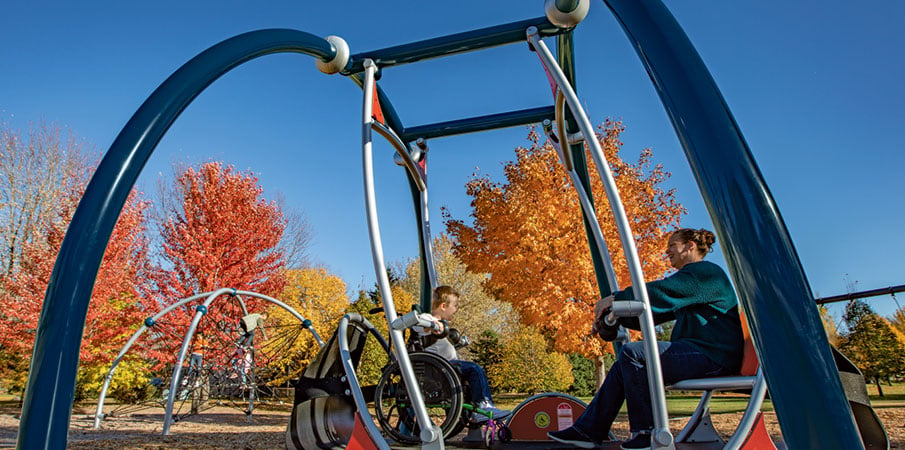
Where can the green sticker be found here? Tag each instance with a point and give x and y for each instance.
(542, 420)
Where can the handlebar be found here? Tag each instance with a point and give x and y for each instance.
(412, 319)
(623, 308)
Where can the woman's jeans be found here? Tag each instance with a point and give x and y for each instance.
(627, 381)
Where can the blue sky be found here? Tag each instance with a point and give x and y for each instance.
(815, 86)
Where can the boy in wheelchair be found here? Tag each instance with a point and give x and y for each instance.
(444, 305)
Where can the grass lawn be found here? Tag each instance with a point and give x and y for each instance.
(683, 404)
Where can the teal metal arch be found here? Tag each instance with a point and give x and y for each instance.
(761, 258)
(49, 394)
(762, 261)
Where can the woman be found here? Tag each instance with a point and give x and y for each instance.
(706, 342)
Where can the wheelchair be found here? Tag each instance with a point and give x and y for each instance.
(444, 395)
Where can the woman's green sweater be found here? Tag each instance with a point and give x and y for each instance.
(701, 300)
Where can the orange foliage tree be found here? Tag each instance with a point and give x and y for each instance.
(219, 231)
(528, 235)
(118, 301)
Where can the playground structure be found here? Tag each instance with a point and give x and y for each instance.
(225, 363)
(762, 262)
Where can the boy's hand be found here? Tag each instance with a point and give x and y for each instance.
(437, 327)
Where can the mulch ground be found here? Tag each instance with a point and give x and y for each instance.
(229, 428)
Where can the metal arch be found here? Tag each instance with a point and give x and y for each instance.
(401, 149)
(98, 416)
(430, 435)
(356, 392)
(291, 310)
(50, 391)
(587, 205)
(661, 435)
(762, 261)
(189, 334)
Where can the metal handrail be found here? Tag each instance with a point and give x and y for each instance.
(430, 435)
(661, 436)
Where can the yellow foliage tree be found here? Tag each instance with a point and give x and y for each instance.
(528, 367)
(374, 357)
(319, 297)
(528, 235)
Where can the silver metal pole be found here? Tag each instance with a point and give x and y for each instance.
(430, 433)
(98, 415)
(661, 436)
(360, 403)
(174, 383)
(758, 392)
(428, 245)
(591, 214)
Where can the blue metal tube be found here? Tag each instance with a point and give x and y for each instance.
(785, 325)
(475, 124)
(452, 44)
(48, 397)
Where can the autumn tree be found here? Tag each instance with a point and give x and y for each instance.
(319, 297)
(38, 170)
(478, 311)
(219, 231)
(527, 234)
(118, 302)
(829, 324)
(527, 365)
(872, 344)
(898, 320)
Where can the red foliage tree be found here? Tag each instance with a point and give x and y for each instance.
(220, 232)
(117, 305)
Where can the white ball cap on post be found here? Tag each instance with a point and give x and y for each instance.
(339, 61)
(566, 19)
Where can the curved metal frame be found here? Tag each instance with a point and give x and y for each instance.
(430, 436)
(212, 295)
(361, 404)
(661, 436)
(762, 261)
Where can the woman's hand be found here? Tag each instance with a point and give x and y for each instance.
(602, 306)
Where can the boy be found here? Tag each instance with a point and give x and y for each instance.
(444, 304)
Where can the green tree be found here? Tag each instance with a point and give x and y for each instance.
(872, 344)
(486, 350)
(584, 373)
(374, 357)
(528, 366)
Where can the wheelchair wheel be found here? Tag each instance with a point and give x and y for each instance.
(440, 388)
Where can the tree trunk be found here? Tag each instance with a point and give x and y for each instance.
(879, 388)
(601, 371)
